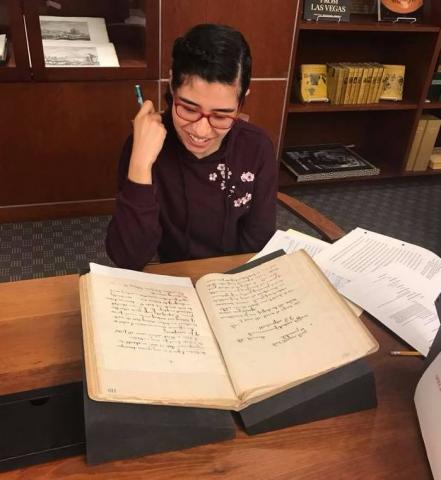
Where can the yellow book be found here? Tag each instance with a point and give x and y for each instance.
(230, 341)
(379, 89)
(427, 142)
(339, 83)
(373, 86)
(363, 82)
(370, 72)
(344, 84)
(313, 86)
(331, 72)
(393, 82)
(410, 163)
(357, 84)
(350, 83)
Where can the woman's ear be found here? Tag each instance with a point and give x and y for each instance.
(247, 92)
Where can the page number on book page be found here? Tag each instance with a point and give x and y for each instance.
(111, 390)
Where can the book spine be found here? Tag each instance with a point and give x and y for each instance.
(427, 143)
(415, 145)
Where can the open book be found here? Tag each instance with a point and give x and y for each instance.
(232, 341)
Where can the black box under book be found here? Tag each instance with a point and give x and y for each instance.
(116, 431)
(347, 389)
(41, 425)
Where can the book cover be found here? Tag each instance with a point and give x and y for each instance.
(327, 10)
(393, 83)
(313, 83)
(363, 7)
(427, 142)
(400, 10)
(320, 162)
(415, 145)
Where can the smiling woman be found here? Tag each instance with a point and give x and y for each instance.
(196, 181)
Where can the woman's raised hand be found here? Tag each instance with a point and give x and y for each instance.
(148, 138)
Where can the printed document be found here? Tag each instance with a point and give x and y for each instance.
(400, 300)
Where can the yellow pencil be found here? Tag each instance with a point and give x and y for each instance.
(405, 353)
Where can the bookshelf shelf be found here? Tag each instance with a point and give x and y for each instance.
(432, 106)
(326, 107)
(368, 25)
(383, 132)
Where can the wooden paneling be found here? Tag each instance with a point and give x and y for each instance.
(267, 26)
(61, 141)
(264, 105)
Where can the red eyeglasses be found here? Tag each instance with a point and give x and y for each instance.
(193, 114)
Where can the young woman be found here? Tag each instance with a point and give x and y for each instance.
(197, 181)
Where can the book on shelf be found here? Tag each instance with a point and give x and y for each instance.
(321, 162)
(428, 142)
(313, 83)
(363, 7)
(320, 10)
(435, 159)
(400, 10)
(434, 93)
(76, 42)
(231, 341)
(3, 47)
(393, 82)
(410, 163)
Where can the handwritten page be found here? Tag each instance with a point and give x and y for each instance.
(280, 323)
(153, 340)
(361, 251)
(428, 406)
(399, 299)
(291, 241)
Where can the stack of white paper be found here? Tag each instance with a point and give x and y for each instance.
(395, 281)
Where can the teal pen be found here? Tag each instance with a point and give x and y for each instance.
(138, 95)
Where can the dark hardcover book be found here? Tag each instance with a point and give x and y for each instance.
(400, 10)
(321, 162)
(322, 10)
(434, 93)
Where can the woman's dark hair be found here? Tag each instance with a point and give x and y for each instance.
(215, 53)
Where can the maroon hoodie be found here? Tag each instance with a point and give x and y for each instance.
(221, 204)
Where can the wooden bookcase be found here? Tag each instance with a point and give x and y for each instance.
(382, 133)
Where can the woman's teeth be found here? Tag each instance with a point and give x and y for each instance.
(197, 139)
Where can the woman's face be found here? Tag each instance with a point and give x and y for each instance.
(200, 138)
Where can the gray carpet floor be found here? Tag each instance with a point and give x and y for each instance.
(408, 209)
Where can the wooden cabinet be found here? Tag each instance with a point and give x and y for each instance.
(382, 132)
(136, 44)
(16, 67)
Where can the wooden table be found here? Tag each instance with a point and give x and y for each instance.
(41, 346)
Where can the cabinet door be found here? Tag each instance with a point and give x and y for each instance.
(15, 67)
(93, 40)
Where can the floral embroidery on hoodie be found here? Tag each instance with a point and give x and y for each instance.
(223, 174)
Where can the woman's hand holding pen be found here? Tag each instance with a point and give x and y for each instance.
(148, 138)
